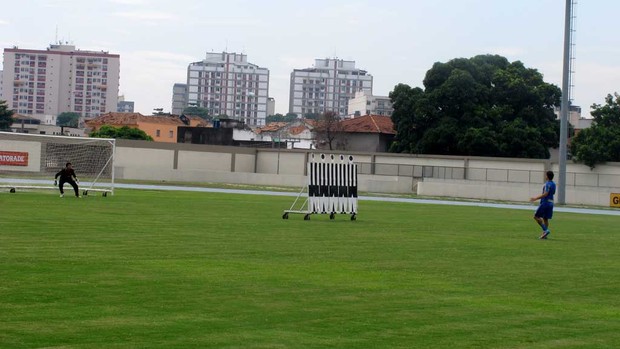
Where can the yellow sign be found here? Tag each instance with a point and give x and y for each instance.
(614, 200)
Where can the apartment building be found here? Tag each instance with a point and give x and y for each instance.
(124, 106)
(227, 84)
(327, 86)
(179, 98)
(271, 106)
(60, 79)
(364, 103)
(574, 118)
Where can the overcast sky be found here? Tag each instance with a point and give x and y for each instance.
(396, 41)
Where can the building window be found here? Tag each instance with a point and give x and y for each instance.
(157, 133)
(170, 134)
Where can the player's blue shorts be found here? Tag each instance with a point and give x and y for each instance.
(545, 210)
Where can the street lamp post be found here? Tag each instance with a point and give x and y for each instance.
(565, 102)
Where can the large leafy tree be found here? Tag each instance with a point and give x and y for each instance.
(601, 142)
(6, 116)
(281, 118)
(125, 132)
(68, 119)
(484, 106)
(197, 111)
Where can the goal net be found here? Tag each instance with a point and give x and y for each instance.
(33, 160)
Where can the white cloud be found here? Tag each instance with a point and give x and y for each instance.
(509, 52)
(146, 16)
(129, 2)
(594, 81)
(56, 3)
(3, 22)
(163, 56)
(229, 22)
(296, 62)
(147, 77)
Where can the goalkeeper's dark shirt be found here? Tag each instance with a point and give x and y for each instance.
(66, 174)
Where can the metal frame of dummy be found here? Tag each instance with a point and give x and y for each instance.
(331, 189)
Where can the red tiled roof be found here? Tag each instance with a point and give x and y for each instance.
(369, 124)
(310, 122)
(295, 130)
(271, 127)
(16, 116)
(132, 119)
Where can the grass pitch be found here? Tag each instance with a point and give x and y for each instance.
(147, 269)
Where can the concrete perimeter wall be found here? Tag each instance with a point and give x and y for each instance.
(451, 176)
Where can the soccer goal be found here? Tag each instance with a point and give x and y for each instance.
(30, 161)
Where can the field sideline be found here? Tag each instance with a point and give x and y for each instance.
(153, 269)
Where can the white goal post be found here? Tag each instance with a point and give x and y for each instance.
(30, 161)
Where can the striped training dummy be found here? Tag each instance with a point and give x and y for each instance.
(332, 184)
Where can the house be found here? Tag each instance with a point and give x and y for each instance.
(29, 124)
(370, 133)
(161, 128)
(297, 134)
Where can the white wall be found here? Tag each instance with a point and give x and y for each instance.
(449, 176)
(582, 195)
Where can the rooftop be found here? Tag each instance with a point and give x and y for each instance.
(133, 119)
(369, 124)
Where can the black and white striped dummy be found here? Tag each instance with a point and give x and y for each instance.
(332, 184)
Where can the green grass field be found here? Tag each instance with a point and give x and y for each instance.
(147, 269)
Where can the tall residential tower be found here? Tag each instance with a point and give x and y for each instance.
(179, 98)
(327, 86)
(227, 84)
(60, 79)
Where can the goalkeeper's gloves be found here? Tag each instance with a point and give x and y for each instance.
(55, 182)
(77, 180)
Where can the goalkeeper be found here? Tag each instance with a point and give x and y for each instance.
(67, 175)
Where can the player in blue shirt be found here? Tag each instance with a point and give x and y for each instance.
(545, 210)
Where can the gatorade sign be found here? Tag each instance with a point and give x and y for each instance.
(13, 158)
(614, 200)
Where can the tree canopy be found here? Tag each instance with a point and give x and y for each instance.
(601, 142)
(68, 119)
(197, 111)
(6, 116)
(481, 106)
(281, 118)
(125, 132)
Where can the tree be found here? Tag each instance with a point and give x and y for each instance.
(197, 111)
(281, 118)
(6, 116)
(601, 142)
(482, 106)
(125, 132)
(68, 119)
(313, 116)
(328, 131)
